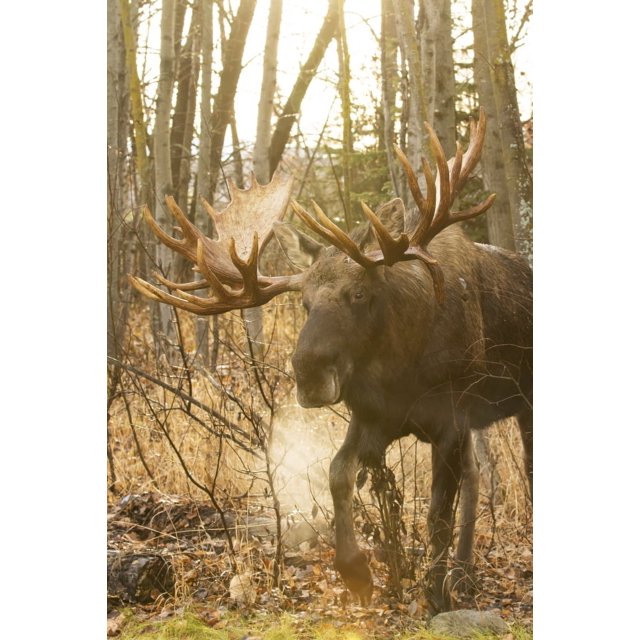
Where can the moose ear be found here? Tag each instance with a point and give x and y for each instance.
(301, 250)
(392, 215)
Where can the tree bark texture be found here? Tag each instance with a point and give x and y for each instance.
(137, 109)
(499, 216)
(492, 28)
(204, 188)
(344, 67)
(390, 85)
(416, 104)
(436, 53)
(267, 91)
(183, 123)
(162, 153)
(117, 126)
(182, 127)
(224, 98)
(253, 317)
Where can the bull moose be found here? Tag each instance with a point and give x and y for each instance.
(417, 329)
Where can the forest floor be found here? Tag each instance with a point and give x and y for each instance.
(217, 596)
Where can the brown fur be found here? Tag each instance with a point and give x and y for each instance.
(404, 364)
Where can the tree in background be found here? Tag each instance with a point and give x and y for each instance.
(291, 110)
(505, 164)
(253, 318)
(184, 113)
(118, 114)
(422, 33)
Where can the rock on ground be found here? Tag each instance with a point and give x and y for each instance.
(467, 623)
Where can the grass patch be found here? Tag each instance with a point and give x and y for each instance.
(193, 626)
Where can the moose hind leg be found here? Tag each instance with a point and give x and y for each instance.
(462, 576)
(525, 422)
(447, 471)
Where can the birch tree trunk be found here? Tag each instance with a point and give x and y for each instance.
(492, 28)
(204, 189)
(390, 85)
(291, 109)
(253, 318)
(415, 140)
(499, 216)
(231, 68)
(117, 125)
(436, 53)
(118, 253)
(182, 127)
(267, 91)
(345, 99)
(142, 164)
(162, 156)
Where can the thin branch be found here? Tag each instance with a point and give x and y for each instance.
(196, 403)
(528, 10)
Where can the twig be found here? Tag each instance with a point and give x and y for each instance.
(184, 396)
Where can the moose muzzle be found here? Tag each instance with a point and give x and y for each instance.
(319, 363)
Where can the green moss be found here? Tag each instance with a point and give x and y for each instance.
(185, 627)
(189, 626)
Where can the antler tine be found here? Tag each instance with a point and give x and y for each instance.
(177, 244)
(451, 176)
(455, 171)
(229, 264)
(435, 214)
(183, 286)
(412, 180)
(392, 249)
(443, 179)
(212, 278)
(190, 232)
(332, 233)
(248, 268)
(476, 140)
(184, 302)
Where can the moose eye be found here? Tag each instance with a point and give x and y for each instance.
(358, 296)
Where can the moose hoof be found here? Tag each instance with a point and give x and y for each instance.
(439, 600)
(355, 572)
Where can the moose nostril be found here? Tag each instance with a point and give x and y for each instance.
(309, 360)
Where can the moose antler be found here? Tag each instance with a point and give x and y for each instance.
(434, 209)
(230, 263)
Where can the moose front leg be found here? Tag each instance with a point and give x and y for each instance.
(350, 562)
(447, 471)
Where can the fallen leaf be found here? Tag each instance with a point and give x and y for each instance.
(114, 626)
(242, 590)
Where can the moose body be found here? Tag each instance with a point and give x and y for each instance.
(416, 328)
(405, 364)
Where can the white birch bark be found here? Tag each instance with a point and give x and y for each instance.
(204, 189)
(253, 317)
(162, 150)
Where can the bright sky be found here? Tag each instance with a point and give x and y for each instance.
(301, 22)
